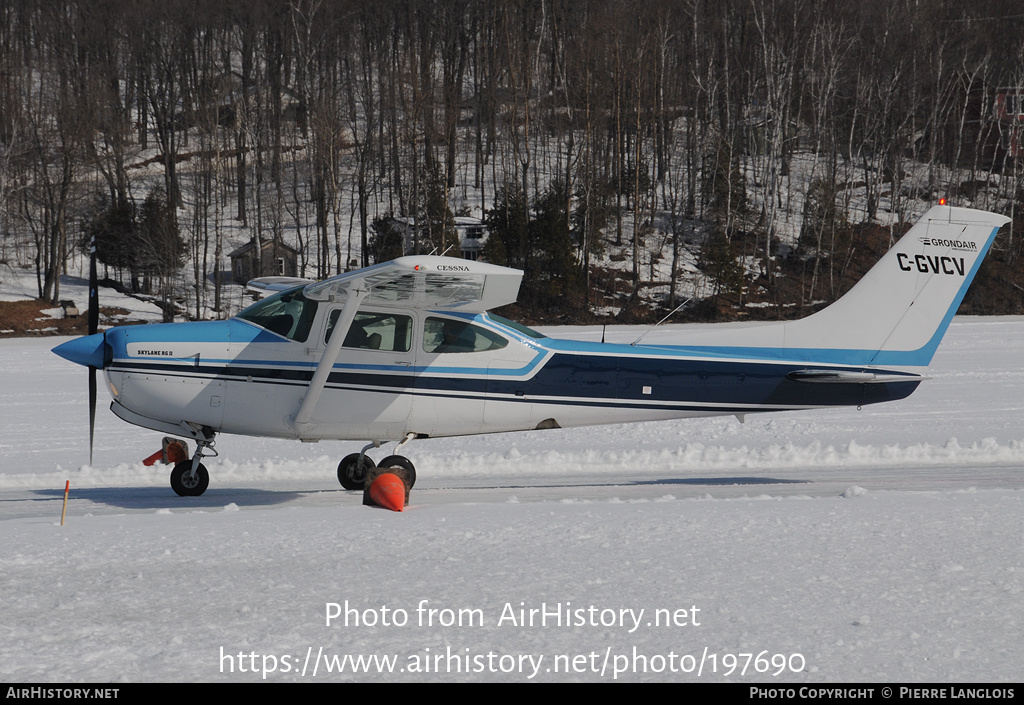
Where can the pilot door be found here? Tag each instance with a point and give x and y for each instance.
(368, 393)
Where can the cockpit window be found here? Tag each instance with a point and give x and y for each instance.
(289, 314)
(447, 335)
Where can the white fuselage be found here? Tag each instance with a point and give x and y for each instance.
(398, 376)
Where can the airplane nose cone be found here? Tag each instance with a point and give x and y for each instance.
(87, 350)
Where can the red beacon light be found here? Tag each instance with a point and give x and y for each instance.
(942, 201)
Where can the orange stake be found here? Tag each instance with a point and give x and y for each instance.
(67, 486)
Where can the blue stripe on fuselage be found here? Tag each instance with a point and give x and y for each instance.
(568, 370)
(582, 378)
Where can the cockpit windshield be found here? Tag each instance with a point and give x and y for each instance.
(289, 314)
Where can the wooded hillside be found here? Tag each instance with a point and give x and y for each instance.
(756, 140)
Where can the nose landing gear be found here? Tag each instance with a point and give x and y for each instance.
(190, 478)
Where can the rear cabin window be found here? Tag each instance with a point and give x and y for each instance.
(447, 335)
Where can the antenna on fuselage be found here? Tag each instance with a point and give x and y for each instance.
(443, 253)
(671, 313)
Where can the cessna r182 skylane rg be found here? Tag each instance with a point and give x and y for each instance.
(406, 349)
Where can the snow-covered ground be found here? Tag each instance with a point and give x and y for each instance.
(880, 545)
(19, 284)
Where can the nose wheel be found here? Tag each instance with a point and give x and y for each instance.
(186, 483)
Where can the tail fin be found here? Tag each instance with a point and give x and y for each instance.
(899, 311)
(896, 315)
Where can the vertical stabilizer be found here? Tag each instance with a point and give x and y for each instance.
(895, 315)
(899, 311)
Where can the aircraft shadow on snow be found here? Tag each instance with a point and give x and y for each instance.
(156, 497)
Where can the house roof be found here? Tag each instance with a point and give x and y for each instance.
(461, 221)
(247, 247)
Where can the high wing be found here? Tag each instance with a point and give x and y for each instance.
(425, 282)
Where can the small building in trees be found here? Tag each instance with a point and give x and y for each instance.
(472, 234)
(984, 127)
(1009, 111)
(278, 259)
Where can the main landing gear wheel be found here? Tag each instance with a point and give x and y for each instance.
(352, 474)
(397, 461)
(185, 484)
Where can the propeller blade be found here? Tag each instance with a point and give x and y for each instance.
(94, 324)
(92, 409)
(94, 300)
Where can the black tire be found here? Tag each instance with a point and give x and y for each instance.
(350, 474)
(184, 484)
(398, 461)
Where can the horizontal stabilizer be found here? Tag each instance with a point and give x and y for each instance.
(850, 377)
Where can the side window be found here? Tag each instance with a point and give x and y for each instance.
(446, 335)
(375, 331)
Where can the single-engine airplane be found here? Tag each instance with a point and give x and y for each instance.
(406, 349)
